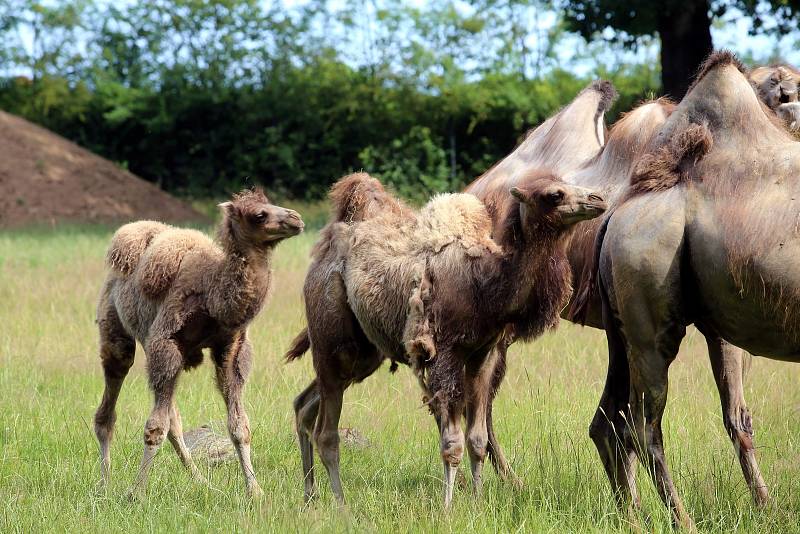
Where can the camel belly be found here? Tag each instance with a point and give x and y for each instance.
(748, 291)
(378, 293)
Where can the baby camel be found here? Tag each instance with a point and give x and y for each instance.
(177, 292)
(433, 290)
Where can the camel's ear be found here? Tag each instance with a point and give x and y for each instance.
(518, 194)
(227, 208)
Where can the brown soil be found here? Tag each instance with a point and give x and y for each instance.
(45, 179)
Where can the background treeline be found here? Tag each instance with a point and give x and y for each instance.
(203, 96)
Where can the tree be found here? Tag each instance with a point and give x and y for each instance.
(684, 27)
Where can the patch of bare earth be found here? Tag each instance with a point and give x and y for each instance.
(45, 179)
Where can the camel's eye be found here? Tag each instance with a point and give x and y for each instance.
(555, 197)
(260, 217)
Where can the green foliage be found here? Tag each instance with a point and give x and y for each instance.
(414, 165)
(205, 96)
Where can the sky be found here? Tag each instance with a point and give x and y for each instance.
(732, 33)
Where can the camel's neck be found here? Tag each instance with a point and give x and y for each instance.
(241, 283)
(531, 284)
(541, 285)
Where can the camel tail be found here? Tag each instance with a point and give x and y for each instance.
(587, 286)
(359, 196)
(300, 345)
(129, 243)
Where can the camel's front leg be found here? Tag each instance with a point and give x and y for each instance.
(726, 361)
(477, 391)
(446, 384)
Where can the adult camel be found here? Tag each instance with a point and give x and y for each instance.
(609, 172)
(707, 235)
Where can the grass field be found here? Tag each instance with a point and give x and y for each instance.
(50, 384)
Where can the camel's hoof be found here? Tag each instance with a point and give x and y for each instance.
(200, 479)
(308, 498)
(255, 491)
(134, 495)
(516, 483)
(101, 488)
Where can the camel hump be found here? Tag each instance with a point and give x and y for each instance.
(671, 163)
(359, 196)
(162, 260)
(129, 243)
(608, 94)
(456, 217)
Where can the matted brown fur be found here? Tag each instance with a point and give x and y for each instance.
(359, 196)
(434, 290)
(672, 162)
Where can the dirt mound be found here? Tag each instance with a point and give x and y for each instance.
(46, 179)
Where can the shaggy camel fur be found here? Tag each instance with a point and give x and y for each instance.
(565, 143)
(719, 249)
(433, 290)
(177, 292)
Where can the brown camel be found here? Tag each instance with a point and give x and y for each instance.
(706, 237)
(776, 86)
(433, 290)
(564, 143)
(177, 292)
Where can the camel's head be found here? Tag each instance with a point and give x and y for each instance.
(251, 218)
(543, 197)
(777, 87)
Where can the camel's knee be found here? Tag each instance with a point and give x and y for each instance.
(155, 430)
(104, 420)
(116, 363)
(477, 444)
(327, 443)
(239, 430)
(452, 447)
(739, 425)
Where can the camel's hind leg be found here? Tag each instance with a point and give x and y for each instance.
(326, 433)
(306, 408)
(233, 366)
(117, 350)
(607, 428)
(164, 365)
(649, 367)
(497, 359)
(726, 361)
(175, 435)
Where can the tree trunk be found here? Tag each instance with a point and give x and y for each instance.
(685, 43)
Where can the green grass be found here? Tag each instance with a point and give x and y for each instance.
(50, 384)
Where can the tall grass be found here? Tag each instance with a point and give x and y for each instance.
(50, 384)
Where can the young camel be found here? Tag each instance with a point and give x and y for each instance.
(433, 290)
(177, 292)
